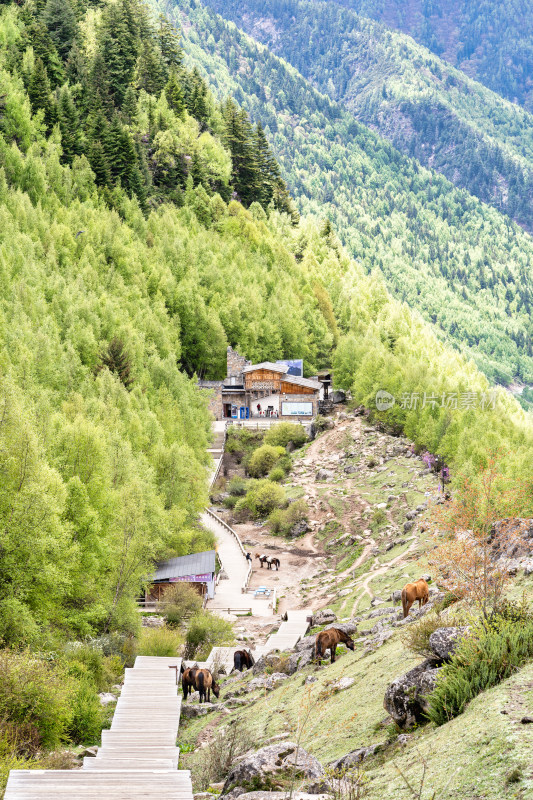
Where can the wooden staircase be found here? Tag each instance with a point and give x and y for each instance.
(138, 757)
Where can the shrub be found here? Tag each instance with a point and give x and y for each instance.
(237, 487)
(276, 475)
(205, 632)
(416, 636)
(17, 625)
(159, 642)
(230, 501)
(221, 754)
(87, 715)
(283, 433)
(263, 459)
(283, 520)
(37, 694)
(179, 603)
(482, 660)
(262, 498)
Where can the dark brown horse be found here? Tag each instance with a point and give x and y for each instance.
(204, 682)
(411, 592)
(188, 681)
(329, 639)
(275, 562)
(242, 659)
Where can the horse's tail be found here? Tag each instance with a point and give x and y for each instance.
(200, 682)
(237, 661)
(404, 603)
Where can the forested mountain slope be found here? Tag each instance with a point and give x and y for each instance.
(123, 273)
(426, 108)
(462, 264)
(491, 40)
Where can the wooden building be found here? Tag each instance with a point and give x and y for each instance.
(263, 390)
(197, 569)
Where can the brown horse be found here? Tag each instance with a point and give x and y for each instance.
(275, 562)
(242, 659)
(329, 639)
(204, 682)
(188, 681)
(262, 559)
(411, 592)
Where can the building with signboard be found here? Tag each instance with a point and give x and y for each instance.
(197, 569)
(268, 389)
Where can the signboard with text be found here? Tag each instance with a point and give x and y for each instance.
(297, 409)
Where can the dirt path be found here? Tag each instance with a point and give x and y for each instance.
(364, 467)
(380, 571)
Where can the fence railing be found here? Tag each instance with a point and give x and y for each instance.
(230, 530)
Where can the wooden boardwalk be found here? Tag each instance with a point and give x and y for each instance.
(138, 757)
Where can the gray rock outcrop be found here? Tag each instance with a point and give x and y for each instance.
(444, 641)
(354, 757)
(324, 617)
(406, 697)
(268, 762)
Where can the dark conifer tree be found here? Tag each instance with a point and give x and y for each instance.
(40, 94)
(117, 360)
(169, 43)
(69, 125)
(59, 19)
(174, 93)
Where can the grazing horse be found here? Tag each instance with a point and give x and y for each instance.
(188, 681)
(204, 682)
(330, 638)
(411, 592)
(242, 659)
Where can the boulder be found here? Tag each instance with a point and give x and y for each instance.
(444, 641)
(342, 684)
(152, 622)
(346, 627)
(528, 566)
(338, 396)
(354, 757)
(323, 475)
(396, 596)
(266, 795)
(307, 643)
(267, 682)
(299, 528)
(268, 762)
(406, 697)
(323, 617)
(349, 469)
(106, 698)
(270, 660)
(191, 710)
(300, 660)
(408, 525)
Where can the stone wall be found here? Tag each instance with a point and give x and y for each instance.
(236, 363)
(214, 390)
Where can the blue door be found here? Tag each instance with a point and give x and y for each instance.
(241, 412)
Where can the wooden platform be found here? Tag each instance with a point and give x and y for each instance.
(138, 758)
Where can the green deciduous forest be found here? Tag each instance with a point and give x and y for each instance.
(422, 105)
(145, 226)
(489, 41)
(463, 265)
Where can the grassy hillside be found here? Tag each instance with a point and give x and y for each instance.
(463, 265)
(424, 107)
